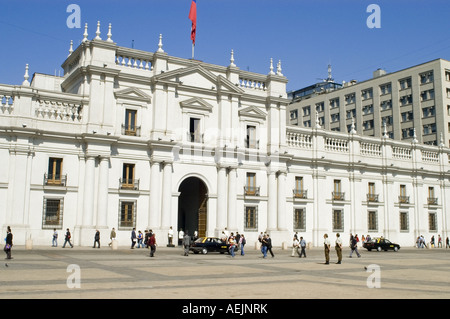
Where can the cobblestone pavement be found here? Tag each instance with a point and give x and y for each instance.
(52, 273)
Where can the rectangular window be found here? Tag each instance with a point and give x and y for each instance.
(127, 214)
(250, 188)
(194, 130)
(299, 219)
(293, 114)
(404, 223)
(130, 122)
(403, 198)
(306, 110)
(128, 180)
(334, 103)
(251, 218)
(338, 220)
(432, 199)
(432, 222)
(372, 222)
(52, 216)
(385, 89)
(299, 192)
(337, 193)
(251, 137)
(54, 173)
(405, 83)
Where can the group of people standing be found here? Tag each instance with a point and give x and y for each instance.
(236, 242)
(420, 242)
(338, 247)
(266, 244)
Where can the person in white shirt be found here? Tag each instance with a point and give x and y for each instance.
(170, 236)
(295, 245)
(338, 248)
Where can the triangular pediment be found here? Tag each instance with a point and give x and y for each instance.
(133, 94)
(253, 112)
(199, 77)
(196, 103)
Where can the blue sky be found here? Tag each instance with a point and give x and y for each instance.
(305, 35)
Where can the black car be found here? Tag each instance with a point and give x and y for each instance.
(209, 244)
(381, 244)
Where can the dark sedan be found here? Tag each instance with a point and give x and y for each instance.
(381, 244)
(205, 245)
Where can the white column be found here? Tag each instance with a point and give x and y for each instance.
(272, 202)
(232, 214)
(153, 215)
(89, 182)
(102, 206)
(281, 216)
(221, 200)
(166, 196)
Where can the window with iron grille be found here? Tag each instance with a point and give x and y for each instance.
(127, 214)
(338, 220)
(299, 219)
(432, 222)
(372, 221)
(52, 216)
(404, 222)
(251, 218)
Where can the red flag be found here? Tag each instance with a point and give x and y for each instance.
(193, 18)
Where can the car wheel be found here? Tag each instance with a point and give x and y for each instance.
(369, 249)
(379, 248)
(395, 248)
(204, 251)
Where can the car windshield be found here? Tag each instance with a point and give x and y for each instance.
(199, 240)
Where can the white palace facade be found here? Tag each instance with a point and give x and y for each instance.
(131, 139)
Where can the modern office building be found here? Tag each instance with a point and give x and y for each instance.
(134, 139)
(412, 101)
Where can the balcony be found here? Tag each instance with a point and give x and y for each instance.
(372, 198)
(55, 180)
(338, 196)
(403, 199)
(251, 191)
(131, 131)
(432, 201)
(129, 184)
(300, 193)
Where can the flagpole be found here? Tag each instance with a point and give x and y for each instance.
(193, 45)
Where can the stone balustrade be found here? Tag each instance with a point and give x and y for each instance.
(134, 59)
(363, 148)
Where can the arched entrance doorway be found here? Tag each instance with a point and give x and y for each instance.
(192, 206)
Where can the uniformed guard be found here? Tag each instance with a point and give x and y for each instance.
(338, 248)
(326, 243)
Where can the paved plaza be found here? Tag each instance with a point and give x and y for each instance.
(87, 273)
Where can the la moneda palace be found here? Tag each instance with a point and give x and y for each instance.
(132, 139)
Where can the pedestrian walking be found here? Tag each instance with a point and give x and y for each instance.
(338, 247)
(152, 244)
(55, 238)
(302, 247)
(97, 239)
(264, 246)
(186, 243)
(112, 236)
(439, 241)
(133, 238)
(447, 243)
(432, 242)
(67, 238)
(242, 242)
(295, 246)
(269, 245)
(354, 247)
(9, 243)
(326, 244)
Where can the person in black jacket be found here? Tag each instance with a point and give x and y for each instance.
(9, 243)
(97, 239)
(269, 245)
(67, 239)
